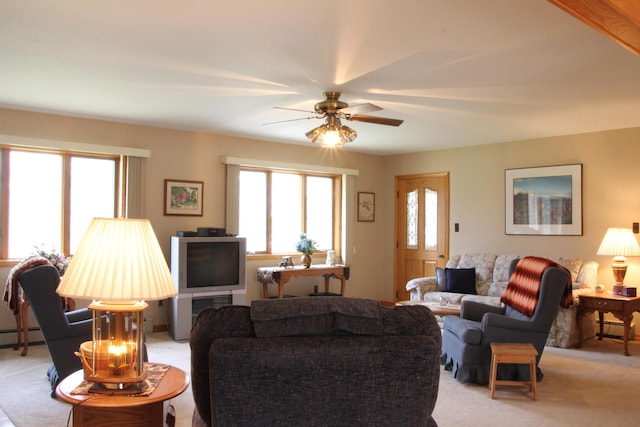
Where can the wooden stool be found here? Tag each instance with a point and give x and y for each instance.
(513, 353)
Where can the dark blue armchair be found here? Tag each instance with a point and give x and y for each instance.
(466, 339)
(63, 332)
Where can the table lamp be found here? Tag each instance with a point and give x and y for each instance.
(118, 265)
(619, 243)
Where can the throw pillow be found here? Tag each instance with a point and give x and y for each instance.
(441, 280)
(461, 280)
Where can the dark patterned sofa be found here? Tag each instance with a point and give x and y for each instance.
(324, 361)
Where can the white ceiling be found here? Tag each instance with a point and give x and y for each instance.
(458, 72)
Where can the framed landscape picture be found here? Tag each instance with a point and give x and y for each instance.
(544, 200)
(183, 197)
(366, 207)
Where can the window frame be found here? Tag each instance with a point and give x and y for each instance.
(5, 173)
(337, 223)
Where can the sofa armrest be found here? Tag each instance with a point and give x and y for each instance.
(474, 310)
(577, 292)
(79, 315)
(420, 286)
(497, 321)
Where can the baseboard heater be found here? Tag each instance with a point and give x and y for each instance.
(613, 329)
(8, 337)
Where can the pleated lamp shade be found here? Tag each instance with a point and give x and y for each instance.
(118, 260)
(619, 242)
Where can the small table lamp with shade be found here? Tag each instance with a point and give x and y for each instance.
(619, 243)
(118, 265)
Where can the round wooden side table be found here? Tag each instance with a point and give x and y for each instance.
(102, 410)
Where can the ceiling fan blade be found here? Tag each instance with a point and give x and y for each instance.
(294, 109)
(292, 120)
(360, 108)
(374, 119)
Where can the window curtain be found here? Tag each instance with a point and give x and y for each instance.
(233, 199)
(134, 201)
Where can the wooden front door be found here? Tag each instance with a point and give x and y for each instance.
(422, 232)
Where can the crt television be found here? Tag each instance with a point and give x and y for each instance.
(208, 264)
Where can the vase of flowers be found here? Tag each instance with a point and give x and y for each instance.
(57, 259)
(307, 247)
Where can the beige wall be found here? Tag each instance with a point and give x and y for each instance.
(610, 193)
(610, 190)
(610, 196)
(196, 156)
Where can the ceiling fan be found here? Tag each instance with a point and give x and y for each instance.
(333, 133)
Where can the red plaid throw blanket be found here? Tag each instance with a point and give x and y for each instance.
(523, 289)
(12, 294)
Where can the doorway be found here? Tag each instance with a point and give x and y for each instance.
(421, 228)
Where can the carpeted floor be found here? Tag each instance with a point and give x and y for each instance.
(592, 386)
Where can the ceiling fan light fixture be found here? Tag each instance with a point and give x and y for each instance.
(332, 133)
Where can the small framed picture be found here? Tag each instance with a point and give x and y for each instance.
(366, 207)
(183, 197)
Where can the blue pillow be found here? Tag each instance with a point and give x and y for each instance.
(461, 280)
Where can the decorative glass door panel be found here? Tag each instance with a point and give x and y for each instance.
(430, 219)
(412, 219)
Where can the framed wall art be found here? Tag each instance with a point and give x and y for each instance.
(366, 207)
(544, 200)
(183, 197)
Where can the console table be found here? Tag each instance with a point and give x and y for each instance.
(620, 306)
(281, 275)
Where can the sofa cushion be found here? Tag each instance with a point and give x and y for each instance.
(571, 264)
(441, 280)
(502, 272)
(316, 316)
(461, 280)
(483, 263)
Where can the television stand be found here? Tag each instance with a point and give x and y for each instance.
(185, 307)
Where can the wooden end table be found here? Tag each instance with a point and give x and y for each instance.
(102, 410)
(620, 306)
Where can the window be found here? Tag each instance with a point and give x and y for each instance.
(276, 206)
(50, 198)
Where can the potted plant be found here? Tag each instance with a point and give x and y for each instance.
(307, 247)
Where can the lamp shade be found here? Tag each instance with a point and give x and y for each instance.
(332, 133)
(118, 260)
(619, 242)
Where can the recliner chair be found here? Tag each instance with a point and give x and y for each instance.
(63, 332)
(466, 339)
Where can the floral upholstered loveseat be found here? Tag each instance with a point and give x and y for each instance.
(491, 278)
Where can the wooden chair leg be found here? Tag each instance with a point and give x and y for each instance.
(18, 332)
(24, 312)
